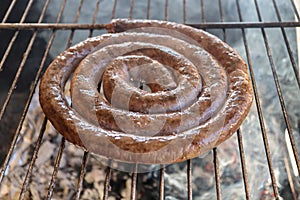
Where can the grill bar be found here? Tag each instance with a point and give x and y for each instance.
(16, 78)
(243, 164)
(281, 98)
(148, 8)
(17, 133)
(279, 91)
(22, 64)
(162, 183)
(133, 194)
(11, 6)
(287, 45)
(239, 135)
(86, 154)
(32, 161)
(131, 9)
(202, 11)
(263, 128)
(188, 162)
(55, 170)
(51, 184)
(12, 41)
(106, 183)
(222, 18)
(294, 65)
(214, 151)
(207, 25)
(81, 175)
(134, 176)
(107, 186)
(189, 179)
(184, 11)
(95, 17)
(62, 144)
(166, 10)
(295, 10)
(69, 43)
(258, 106)
(113, 12)
(277, 11)
(289, 175)
(217, 173)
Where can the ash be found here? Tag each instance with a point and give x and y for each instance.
(203, 181)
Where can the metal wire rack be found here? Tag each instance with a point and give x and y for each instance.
(40, 25)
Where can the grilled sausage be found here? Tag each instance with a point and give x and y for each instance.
(199, 92)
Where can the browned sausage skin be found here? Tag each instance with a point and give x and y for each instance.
(203, 100)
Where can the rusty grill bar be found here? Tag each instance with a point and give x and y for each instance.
(208, 25)
(224, 26)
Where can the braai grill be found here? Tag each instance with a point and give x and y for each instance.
(23, 83)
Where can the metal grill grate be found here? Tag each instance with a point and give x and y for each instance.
(222, 25)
